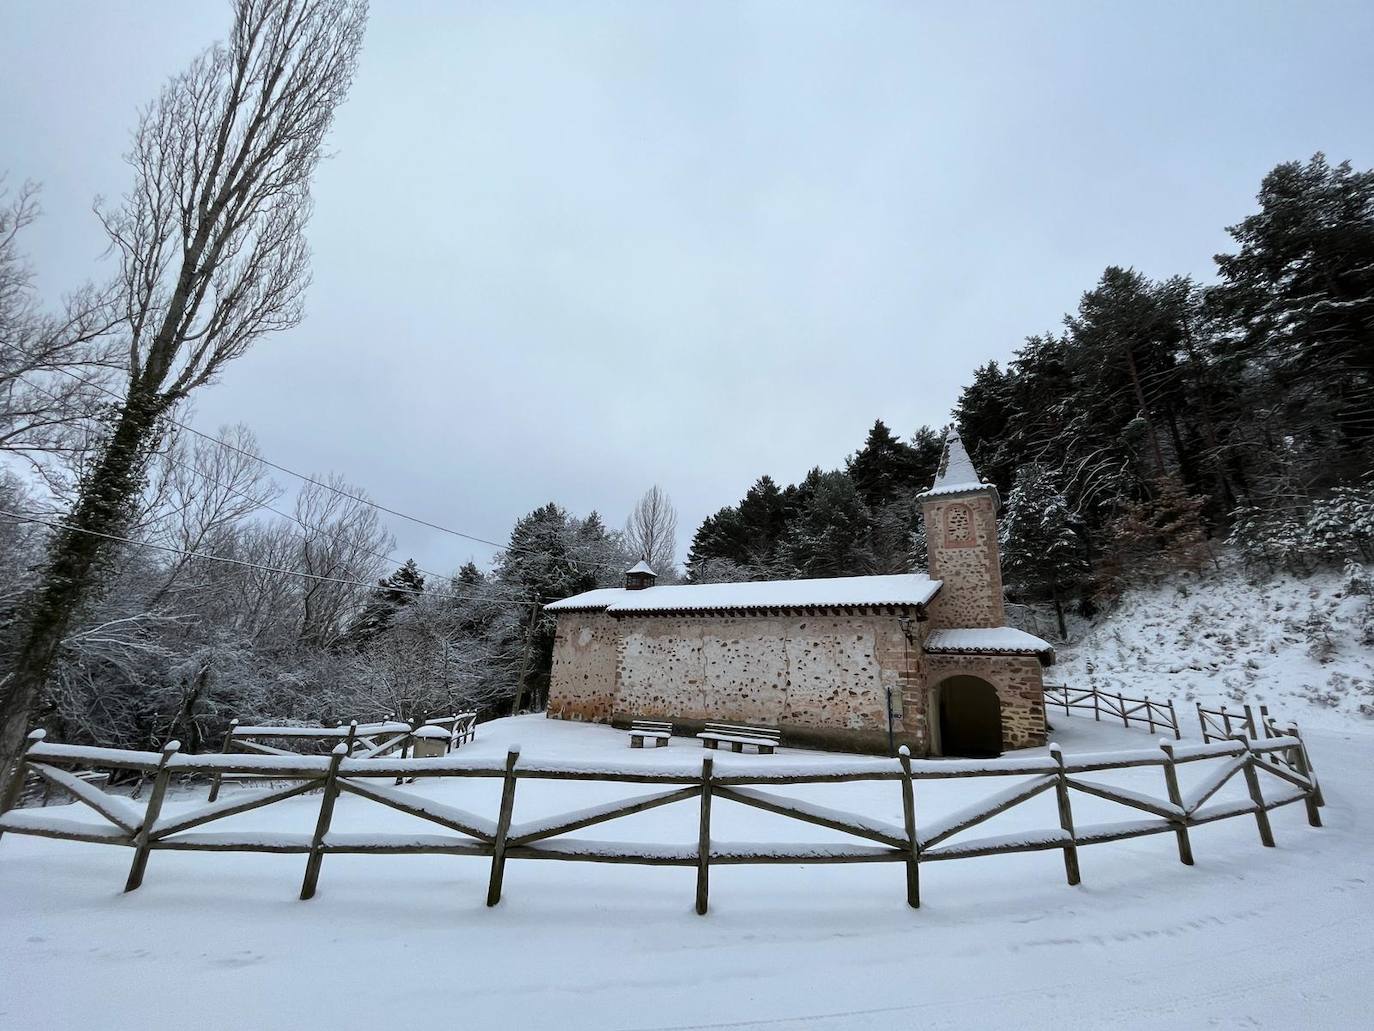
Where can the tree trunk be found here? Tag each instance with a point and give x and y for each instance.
(102, 508)
(1059, 612)
(1144, 409)
(525, 661)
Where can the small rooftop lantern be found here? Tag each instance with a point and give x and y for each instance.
(639, 576)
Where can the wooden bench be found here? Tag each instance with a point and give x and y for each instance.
(762, 739)
(653, 732)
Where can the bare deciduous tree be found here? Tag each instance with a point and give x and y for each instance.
(204, 490)
(342, 539)
(52, 369)
(211, 255)
(651, 531)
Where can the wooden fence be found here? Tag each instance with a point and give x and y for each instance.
(910, 843)
(1155, 715)
(365, 740)
(1254, 723)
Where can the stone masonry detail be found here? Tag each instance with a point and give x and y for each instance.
(970, 570)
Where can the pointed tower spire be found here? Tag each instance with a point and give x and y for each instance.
(956, 468)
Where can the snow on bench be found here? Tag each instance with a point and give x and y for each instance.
(655, 731)
(763, 739)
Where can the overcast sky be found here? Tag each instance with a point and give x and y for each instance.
(567, 250)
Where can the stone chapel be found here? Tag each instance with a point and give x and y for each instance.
(860, 663)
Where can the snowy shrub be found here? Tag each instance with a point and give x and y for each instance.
(1357, 579)
(1316, 628)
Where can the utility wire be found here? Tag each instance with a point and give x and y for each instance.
(21, 517)
(291, 472)
(259, 502)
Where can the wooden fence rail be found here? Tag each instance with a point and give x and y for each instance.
(912, 842)
(1255, 722)
(364, 740)
(1153, 714)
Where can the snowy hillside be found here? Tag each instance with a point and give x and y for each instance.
(1302, 645)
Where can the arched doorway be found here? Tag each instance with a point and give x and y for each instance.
(970, 718)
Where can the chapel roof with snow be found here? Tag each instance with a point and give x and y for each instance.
(1000, 640)
(907, 590)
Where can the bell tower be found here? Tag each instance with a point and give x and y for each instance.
(960, 512)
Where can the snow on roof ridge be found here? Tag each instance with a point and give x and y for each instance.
(992, 640)
(956, 473)
(826, 592)
(955, 465)
(642, 566)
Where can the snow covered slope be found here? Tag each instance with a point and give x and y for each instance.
(1303, 646)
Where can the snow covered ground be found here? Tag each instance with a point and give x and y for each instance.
(1249, 937)
(1304, 646)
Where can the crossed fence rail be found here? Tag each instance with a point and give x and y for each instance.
(909, 843)
(363, 740)
(1251, 722)
(1155, 715)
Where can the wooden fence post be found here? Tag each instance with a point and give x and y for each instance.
(913, 873)
(228, 743)
(1202, 723)
(1150, 714)
(704, 836)
(1311, 774)
(1250, 729)
(351, 739)
(1097, 706)
(143, 839)
(1173, 721)
(1299, 753)
(16, 784)
(1266, 833)
(326, 817)
(1121, 705)
(1061, 793)
(1185, 847)
(1226, 723)
(405, 747)
(498, 847)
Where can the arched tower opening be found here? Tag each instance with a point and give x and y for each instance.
(969, 717)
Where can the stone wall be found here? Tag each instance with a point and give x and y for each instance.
(821, 679)
(961, 541)
(1020, 690)
(582, 681)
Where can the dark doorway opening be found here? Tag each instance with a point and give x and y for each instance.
(970, 718)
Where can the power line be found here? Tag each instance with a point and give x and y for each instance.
(21, 517)
(259, 502)
(301, 476)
